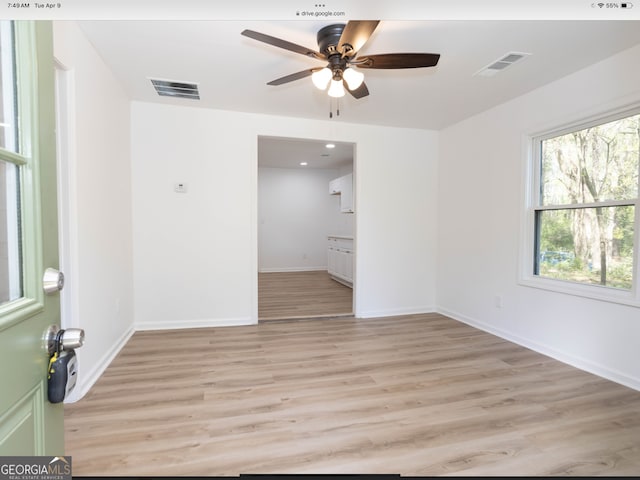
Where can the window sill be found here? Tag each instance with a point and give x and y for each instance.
(593, 292)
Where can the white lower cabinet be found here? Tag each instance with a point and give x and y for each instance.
(340, 259)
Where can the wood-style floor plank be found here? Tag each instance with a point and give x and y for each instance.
(287, 295)
(416, 395)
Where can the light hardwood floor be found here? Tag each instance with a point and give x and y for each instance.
(419, 395)
(286, 295)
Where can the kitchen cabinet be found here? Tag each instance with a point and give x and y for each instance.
(340, 259)
(343, 186)
(335, 186)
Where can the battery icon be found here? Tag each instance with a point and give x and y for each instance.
(626, 5)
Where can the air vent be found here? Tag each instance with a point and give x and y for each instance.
(502, 63)
(170, 88)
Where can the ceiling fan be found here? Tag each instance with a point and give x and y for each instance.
(339, 44)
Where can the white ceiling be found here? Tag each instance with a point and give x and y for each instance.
(232, 70)
(289, 153)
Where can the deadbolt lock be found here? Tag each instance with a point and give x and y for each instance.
(52, 281)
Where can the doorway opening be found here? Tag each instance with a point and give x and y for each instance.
(306, 228)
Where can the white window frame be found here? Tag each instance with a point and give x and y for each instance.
(532, 153)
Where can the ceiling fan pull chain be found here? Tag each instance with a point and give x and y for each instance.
(338, 107)
(330, 108)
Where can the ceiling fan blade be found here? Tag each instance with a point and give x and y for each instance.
(355, 35)
(292, 77)
(278, 42)
(398, 60)
(361, 91)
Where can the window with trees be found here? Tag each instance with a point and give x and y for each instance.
(585, 206)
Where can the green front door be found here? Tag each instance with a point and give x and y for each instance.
(29, 423)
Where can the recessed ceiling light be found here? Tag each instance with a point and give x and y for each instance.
(304, 164)
(330, 145)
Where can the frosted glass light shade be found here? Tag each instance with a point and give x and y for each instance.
(336, 89)
(321, 78)
(353, 78)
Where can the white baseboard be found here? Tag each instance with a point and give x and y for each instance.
(292, 269)
(344, 282)
(578, 362)
(396, 311)
(86, 381)
(214, 322)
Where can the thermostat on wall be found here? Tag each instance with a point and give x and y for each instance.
(180, 187)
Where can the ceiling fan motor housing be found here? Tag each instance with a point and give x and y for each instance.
(329, 38)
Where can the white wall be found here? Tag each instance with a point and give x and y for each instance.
(295, 216)
(481, 200)
(195, 254)
(99, 272)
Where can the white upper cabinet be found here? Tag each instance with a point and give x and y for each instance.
(346, 195)
(335, 186)
(343, 186)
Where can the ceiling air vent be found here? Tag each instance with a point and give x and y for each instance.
(502, 63)
(170, 88)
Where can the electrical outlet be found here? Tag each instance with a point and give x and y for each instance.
(499, 301)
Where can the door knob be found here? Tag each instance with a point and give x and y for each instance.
(57, 340)
(72, 338)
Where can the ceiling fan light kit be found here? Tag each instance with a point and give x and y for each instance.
(353, 78)
(336, 90)
(321, 78)
(339, 45)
